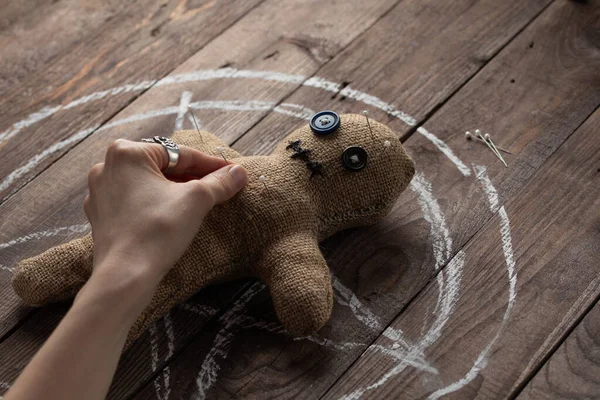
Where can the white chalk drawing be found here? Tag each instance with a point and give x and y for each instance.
(184, 103)
(481, 361)
(203, 75)
(234, 105)
(448, 280)
(62, 231)
(405, 353)
(229, 320)
(162, 391)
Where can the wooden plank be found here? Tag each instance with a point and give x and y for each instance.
(573, 371)
(300, 43)
(34, 33)
(144, 42)
(387, 265)
(54, 200)
(533, 274)
(146, 357)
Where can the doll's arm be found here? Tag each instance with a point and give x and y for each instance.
(299, 281)
(55, 275)
(205, 142)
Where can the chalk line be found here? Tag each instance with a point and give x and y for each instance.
(209, 369)
(440, 235)
(233, 105)
(448, 279)
(202, 310)
(347, 298)
(330, 343)
(487, 186)
(232, 73)
(9, 269)
(184, 102)
(65, 230)
(154, 358)
(507, 248)
(35, 160)
(444, 148)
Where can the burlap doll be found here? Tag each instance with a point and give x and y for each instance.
(332, 174)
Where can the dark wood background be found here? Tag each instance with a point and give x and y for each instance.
(483, 282)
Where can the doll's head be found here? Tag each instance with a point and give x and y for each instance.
(357, 168)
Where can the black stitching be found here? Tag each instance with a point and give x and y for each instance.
(295, 145)
(315, 167)
(302, 154)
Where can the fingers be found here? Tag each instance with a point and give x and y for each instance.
(191, 163)
(221, 185)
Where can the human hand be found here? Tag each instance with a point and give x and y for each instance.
(143, 220)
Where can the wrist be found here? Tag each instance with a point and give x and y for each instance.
(125, 287)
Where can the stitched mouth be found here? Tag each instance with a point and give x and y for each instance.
(315, 167)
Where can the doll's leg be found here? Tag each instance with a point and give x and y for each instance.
(299, 281)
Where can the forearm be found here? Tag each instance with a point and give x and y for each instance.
(80, 357)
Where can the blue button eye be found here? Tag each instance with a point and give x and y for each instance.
(324, 122)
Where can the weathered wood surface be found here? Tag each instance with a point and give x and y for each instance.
(33, 34)
(402, 59)
(387, 265)
(573, 371)
(59, 203)
(55, 199)
(528, 276)
(139, 43)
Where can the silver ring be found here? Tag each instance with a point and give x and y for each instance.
(170, 146)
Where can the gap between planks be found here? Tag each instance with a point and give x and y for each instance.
(405, 137)
(130, 101)
(578, 321)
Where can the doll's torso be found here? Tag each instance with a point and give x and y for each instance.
(234, 234)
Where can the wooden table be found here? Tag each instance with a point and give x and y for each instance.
(483, 282)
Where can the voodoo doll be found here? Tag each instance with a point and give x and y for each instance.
(331, 174)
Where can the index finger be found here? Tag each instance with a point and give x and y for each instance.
(191, 163)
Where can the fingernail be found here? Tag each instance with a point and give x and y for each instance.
(239, 175)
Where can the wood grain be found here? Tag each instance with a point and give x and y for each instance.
(573, 371)
(33, 34)
(387, 265)
(55, 199)
(301, 43)
(142, 42)
(492, 343)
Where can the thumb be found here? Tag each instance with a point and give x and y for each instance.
(222, 184)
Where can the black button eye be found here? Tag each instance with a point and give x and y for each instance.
(354, 158)
(324, 122)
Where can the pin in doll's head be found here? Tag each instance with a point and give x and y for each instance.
(357, 167)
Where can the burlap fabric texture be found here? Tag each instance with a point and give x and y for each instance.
(271, 232)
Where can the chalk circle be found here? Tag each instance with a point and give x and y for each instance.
(446, 278)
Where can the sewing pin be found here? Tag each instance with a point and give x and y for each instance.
(469, 136)
(196, 123)
(386, 145)
(480, 138)
(262, 178)
(221, 151)
(366, 114)
(489, 139)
